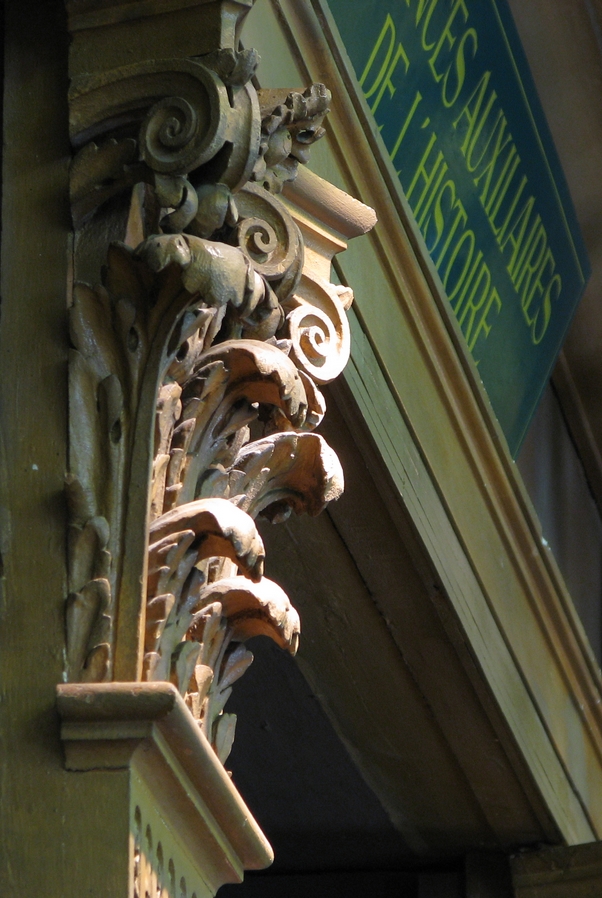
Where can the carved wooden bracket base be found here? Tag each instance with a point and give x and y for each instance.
(190, 831)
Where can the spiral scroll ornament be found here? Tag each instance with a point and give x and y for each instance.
(177, 136)
(270, 239)
(173, 124)
(319, 331)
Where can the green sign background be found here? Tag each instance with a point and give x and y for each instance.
(450, 90)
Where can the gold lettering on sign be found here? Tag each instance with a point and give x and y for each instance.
(449, 43)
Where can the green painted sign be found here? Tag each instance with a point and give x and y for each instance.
(449, 87)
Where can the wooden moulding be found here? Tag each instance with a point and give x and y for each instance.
(518, 633)
(187, 820)
(107, 34)
(328, 218)
(574, 872)
(330, 205)
(97, 13)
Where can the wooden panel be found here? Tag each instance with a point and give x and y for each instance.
(515, 627)
(412, 600)
(397, 726)
(53, 840)
(458, 582)
(574, 872)
(33, 406)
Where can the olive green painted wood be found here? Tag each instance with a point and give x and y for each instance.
(407, 588)
(377, 653)
(54, 851)
(461, 586)
(356, 670)
(49, 828)
(508, 611)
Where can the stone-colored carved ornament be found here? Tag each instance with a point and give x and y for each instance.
(194, 371)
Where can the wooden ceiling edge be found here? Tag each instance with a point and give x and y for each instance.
(433, 592)
(473, 425)
(473, 628)
(578, 424)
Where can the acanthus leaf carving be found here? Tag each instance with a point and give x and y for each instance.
(252, 609)
(194, 373)
(218, 527)
(279, 474)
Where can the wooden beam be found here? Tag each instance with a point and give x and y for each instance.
(564, 872)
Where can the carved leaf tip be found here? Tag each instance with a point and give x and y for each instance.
(263, 374)
(291, 121)
(88, 625)
(301, 473)
(219, 528)
(256, 609)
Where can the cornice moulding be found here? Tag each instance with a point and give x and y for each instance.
(330, 205)
(147, 727)
(98, 13)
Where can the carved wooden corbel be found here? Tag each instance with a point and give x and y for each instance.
(195, 367)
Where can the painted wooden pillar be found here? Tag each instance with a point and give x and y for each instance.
(162, 343)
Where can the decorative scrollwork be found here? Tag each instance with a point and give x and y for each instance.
(269, 237)
(178, 117)
(176, 137)
(193, 374)
(318, 329)
(167, 132)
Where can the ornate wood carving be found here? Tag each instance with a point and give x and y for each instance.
(195, 368)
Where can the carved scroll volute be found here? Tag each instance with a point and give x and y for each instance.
(296, 258)
(316, 320)
(204, 124)
(317, 326)
(171, 112)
